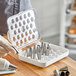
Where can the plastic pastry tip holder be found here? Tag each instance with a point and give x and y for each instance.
(23, 32)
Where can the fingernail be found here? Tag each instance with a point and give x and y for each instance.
(15, 50)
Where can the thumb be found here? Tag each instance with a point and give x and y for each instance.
(6, 45)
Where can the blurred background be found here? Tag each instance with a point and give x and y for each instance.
(48, 13)
(56, 20)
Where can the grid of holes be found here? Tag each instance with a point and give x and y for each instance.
(23, 27)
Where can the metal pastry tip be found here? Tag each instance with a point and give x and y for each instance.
(56, 72)
(34, 46)
(38, 45)
(48, 47)
(30, 48)
(42, 43)
(30, 52)
(64, 73)
(12, 67)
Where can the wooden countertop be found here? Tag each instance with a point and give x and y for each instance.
(26, 69)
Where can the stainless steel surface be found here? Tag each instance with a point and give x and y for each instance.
(12, 67)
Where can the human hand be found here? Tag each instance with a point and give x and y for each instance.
(5, 47)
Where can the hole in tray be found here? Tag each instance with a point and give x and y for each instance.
(27, 27)
(17, 19)
(30, 31)
(19, 23)
(22, 35)
(28, 21)
(24, 15)
(15, 32)
(26, 33)
(15, 25)
(25, 40)
(11, 27)
(29, 38)
(29, 14)
(17, 43)
(24, 22)
(14, 38)
(32, 19)
(20, 17)
(21, 42)
(12, 20)
(18, 30)
(34, 30)
(18, 37)
(31, 25)
(33, 36)
(23, 29)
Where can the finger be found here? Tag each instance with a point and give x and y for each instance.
(2, 50)
(6, 45)
(4, 40)
(3, 54)
(8, 48)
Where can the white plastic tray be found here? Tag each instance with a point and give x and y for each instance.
(23, 32)
(49, 60)
(7, 72)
